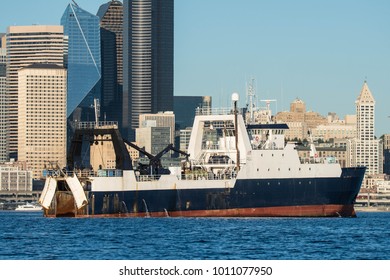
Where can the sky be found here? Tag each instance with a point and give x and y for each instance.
(319, 51)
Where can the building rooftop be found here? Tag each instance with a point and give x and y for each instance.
(43, 66)
(365, 95)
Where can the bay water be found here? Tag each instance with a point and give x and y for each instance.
(30, 236)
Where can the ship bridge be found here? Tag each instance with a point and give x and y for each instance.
(214, 134)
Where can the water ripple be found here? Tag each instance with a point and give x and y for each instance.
(31, 236)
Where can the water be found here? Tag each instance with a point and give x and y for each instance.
(25, 236)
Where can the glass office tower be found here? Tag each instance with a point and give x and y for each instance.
(111, 40)
(147, 59)
(84, 62)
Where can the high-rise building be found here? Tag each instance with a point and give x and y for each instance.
(161, 119)
(386, 154)
(185, 135)
(42, 116)
(111, 39)
(147, 59)
(27, 45)
(365, 150)
(84, 62)
(185, 107)
(153, 139)
(3, 103)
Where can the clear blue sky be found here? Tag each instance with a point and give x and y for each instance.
(319, 51)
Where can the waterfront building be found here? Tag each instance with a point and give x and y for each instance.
(27, 45)
(14, 178)
(3, 103)
(84, 62)
(365, 150)
(111, 40)
(42, 116)
(147, 60)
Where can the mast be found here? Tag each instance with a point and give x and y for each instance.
(235, 98)
(250, 96)
(96, 105)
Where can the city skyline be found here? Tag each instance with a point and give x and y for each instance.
(320, 52)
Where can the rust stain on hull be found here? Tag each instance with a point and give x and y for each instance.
(285, 211)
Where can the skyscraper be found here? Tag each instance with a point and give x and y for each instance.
(3, 103)
(42, 116)
(147, 59)
(185, 107)
(27, 45)
(111, 35)
(84, 64)
(365, 150)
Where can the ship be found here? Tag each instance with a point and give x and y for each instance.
(231, 169)
(28, 207)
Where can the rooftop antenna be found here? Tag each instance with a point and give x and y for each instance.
(74, 2)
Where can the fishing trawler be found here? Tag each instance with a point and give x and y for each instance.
(232, 169)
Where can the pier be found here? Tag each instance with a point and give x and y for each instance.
(9, 200)
(373, 202)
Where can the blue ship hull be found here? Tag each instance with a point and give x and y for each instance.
(309, 197)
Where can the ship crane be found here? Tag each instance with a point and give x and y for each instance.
(155, 160)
